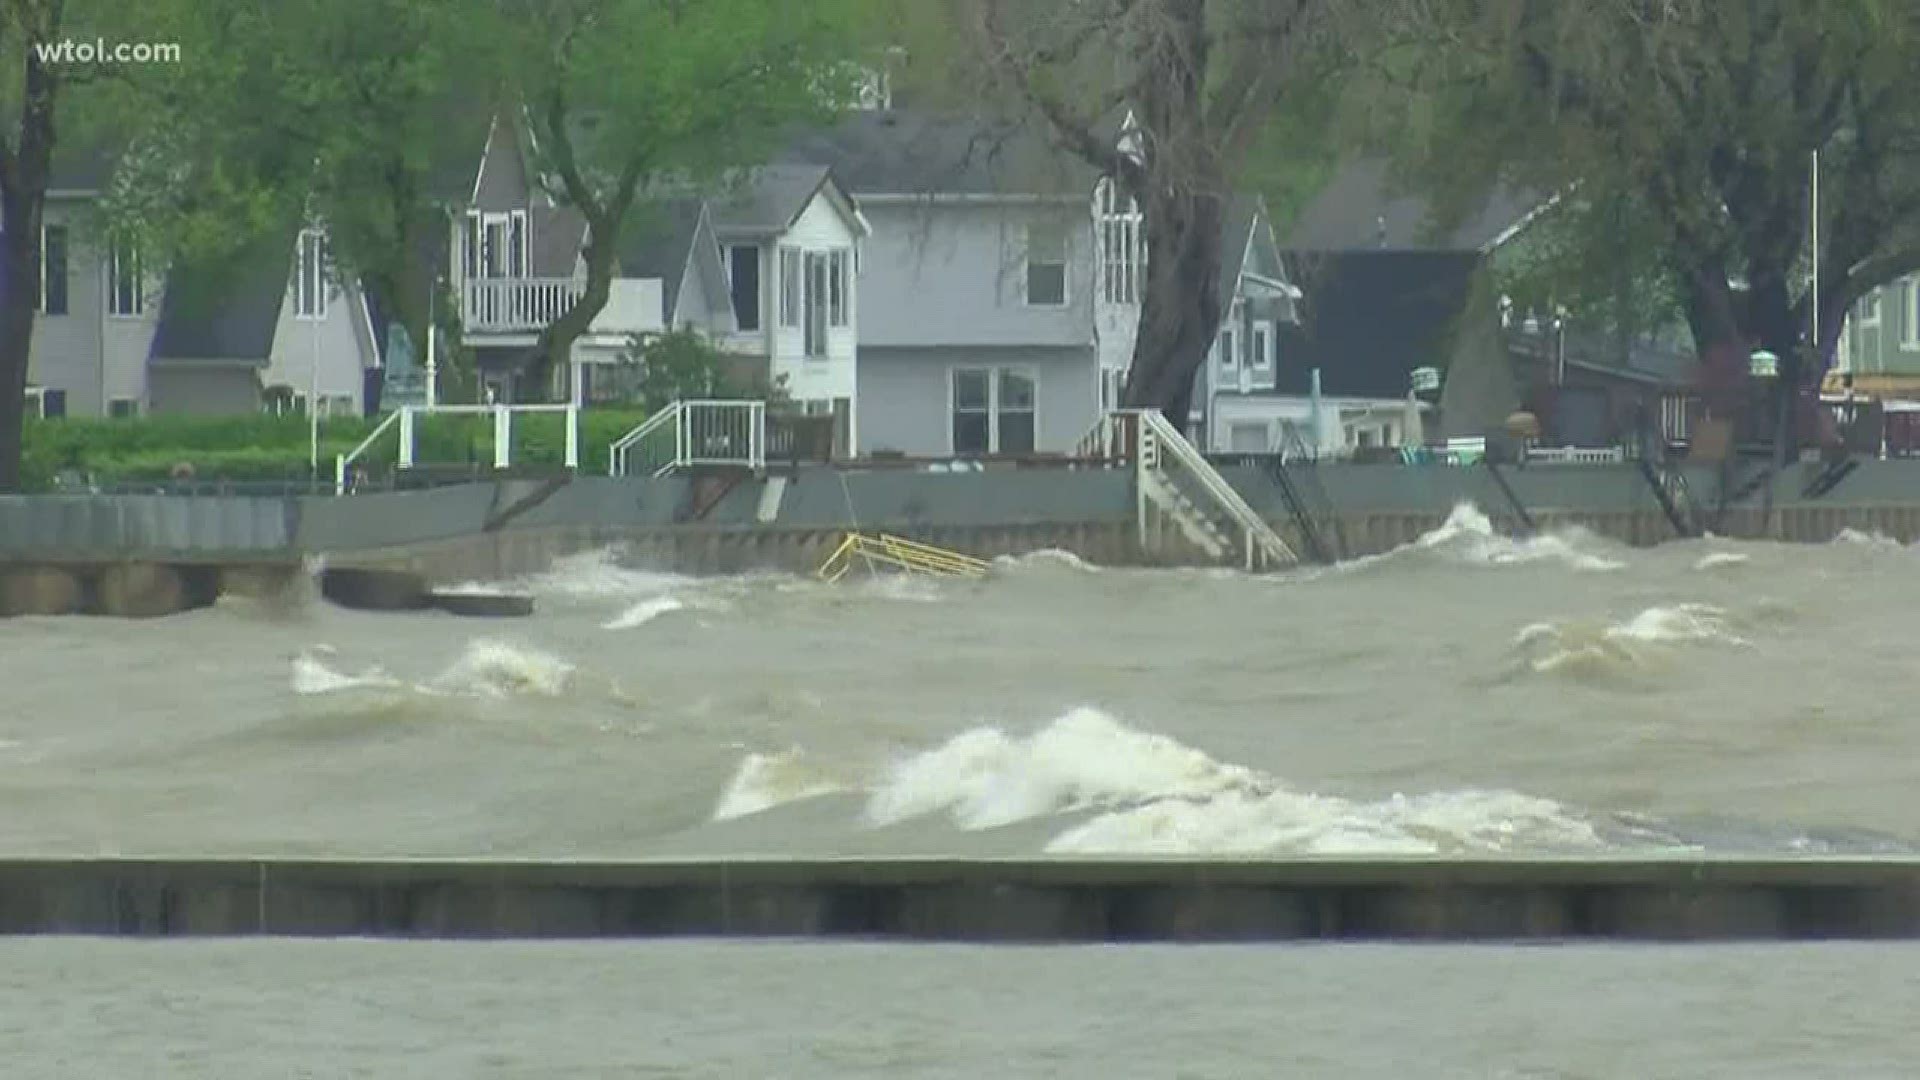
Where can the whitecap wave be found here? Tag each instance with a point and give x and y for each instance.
(644, 612)
(1468, 536)
(764, 781)
(1875, 540)
(1139, 793)
(1044, 559)
(1599, 651)
(494, 668)
(312, 675)
(1722, 560)
(598, 574)
(1680, 622)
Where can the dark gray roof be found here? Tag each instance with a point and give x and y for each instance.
(765, 200)
(1363, 209)
(1372, 317)
(226, 309)
(659, 243)
(558, 232)
(81, 169)
(905, 152)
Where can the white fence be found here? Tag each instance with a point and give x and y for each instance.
(408, 417)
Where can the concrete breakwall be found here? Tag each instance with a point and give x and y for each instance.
(134, 555)
(1033, 900)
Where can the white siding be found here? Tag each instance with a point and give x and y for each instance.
(341, 356)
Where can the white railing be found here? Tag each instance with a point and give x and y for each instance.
(407, 418)
(1577, 455)
(686, 433)
(517, 304)
(1144, 438)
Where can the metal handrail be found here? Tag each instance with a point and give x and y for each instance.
(706, 431)
(341, 461)
(900, 553)
(1159, 439)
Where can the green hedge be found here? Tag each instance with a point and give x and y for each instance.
(276, 447)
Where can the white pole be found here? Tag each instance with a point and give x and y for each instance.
(313, 403)
(432, 376)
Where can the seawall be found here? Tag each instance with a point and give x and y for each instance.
(135, 555)
(973, 900)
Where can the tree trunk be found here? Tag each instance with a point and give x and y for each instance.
(23, 194)
(1180, 311)
(555, 349)
(18, 271)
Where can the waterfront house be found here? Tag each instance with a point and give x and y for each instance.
(763, 266)
(1001, 286)
(119, 336)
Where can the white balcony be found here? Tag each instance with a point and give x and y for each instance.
(516, 305)
(527, 305)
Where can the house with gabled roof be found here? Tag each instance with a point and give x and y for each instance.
(118, 336)
(1001, 284)
(763, 266)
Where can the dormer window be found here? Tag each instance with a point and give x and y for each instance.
(310, 275)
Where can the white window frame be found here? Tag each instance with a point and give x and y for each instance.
(478, 240)
(1227, 345)
(996, 374)
(736, 255)
(1122, 251)
(1870, 310)
(1261, 345)
(839, 292)
(1910, 333)
(310, 286)
(814, 296)
(1027, 263)
(121, 252)
(66, 262)
(791, 292)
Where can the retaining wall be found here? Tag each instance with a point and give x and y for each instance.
(1036, 900)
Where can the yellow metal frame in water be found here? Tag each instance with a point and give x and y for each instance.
(901, 554)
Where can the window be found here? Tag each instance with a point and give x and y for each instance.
(1229, 347)
(1110, 386)
(837, 287)
(495, 245)
(1676, 417)
(310, 276)
(743, 267)
(121, 408)
(1870, 309)
(1262, 346)
(1123, 253)
(993, 411)
(1910, 333)
(789, 286)
(125, 296)
(816, 304)
(1046, 276)
(53, 270)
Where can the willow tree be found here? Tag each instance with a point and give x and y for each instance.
(624, 97)
(1690, 126)
(1168, 98)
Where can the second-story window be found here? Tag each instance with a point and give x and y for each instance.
(125, 296)
(1229, 347)
(1123, 254)
(789, 286)
(310, 276)
(837, 287)
(53, 270)
(1261, 346)
(743, 271)
(1046, 262)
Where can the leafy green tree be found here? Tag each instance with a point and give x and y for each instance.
(624, 98)
(1679, 136)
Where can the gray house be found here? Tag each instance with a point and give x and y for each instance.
(117, 337)
(763, 266)
(1880, 345)
(1001, 284)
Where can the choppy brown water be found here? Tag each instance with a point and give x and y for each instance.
(1467, 694)
(246, 1009)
